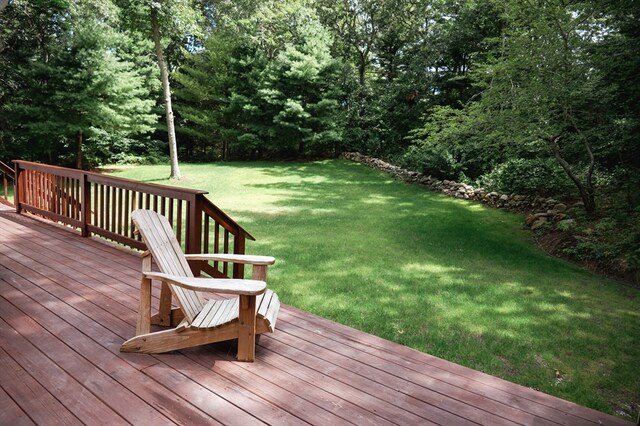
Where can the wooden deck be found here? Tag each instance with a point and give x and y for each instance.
(67, 303)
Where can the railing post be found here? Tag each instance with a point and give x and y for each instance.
(5, 186)
(193, 232)
(239, 241)
(85, 205)
(18, 186)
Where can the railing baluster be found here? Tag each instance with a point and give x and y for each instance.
(63, 189)
(53, 193)
(179, 223)
(119, 211)
(107, 207)
(64, 186)
(96, 204)
(5, 186)
(126, 211)
(216, 243)
(225, 267)
(36, 188)
(68, 197)
(77, 201)
(170, 215)
(113, 209)
(35, 200)
(103, 197)
(33, 185)
(41, 196)
(205, 243)
(43, 192)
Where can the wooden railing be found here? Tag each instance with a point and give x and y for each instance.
(101, 205)
(7, 175)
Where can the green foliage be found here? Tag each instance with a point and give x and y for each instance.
(543, 88)
(609, 242)
(450, 88)
(267, 91)
(527, 177)
(84, 88)
(452, 142)
(437, 161)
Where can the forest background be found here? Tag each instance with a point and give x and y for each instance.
(529, 96)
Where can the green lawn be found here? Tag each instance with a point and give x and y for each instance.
(444, 276)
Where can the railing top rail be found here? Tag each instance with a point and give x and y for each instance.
(152, 188)
(7, 170)
(224, 218)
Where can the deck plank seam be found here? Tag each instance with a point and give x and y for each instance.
(530, 398)
(40, 279)
(406, 393)
(437, 377)
(124, 383)
(36, 378)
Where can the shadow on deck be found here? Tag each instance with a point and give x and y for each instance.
(67, 303)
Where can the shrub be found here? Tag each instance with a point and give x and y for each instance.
(527, 176)
(436, 162)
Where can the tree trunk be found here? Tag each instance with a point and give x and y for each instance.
(362, 67)
(166, 89)
(79, 142)
(587, 193)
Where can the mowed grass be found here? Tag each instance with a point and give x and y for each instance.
(444, 276)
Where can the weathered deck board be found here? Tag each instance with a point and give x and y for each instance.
(68, 303)
(11, 412)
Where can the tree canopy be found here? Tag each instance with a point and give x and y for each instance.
(456, 89)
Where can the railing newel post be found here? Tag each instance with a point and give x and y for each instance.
(239, 242)
(18, 186)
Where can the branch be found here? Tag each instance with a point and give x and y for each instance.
(552, 141)
(587, 146)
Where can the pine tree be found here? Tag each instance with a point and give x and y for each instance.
(77, 94)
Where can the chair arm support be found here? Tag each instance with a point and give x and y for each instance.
(212, 285)
(233, 258)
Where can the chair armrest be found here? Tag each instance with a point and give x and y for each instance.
(212, 285)
(233, 258)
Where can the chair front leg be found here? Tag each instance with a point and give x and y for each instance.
(143, 325)
(247, 329)
(144, 311)
(164, 312)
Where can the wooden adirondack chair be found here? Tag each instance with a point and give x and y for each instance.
(253, 309)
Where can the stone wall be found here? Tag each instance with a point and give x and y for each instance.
(541, 210)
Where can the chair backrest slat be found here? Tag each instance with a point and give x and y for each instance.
(160, 240)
